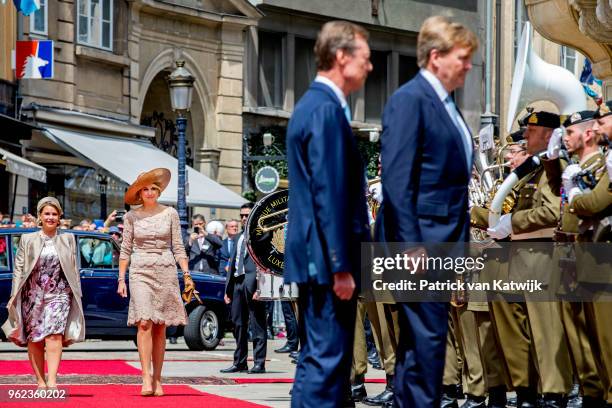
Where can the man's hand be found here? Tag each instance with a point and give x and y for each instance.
(227, 299)
(568, 177)
(256, 295)
(554, 144)
(418, 252)
(502, 229)
(344, 285)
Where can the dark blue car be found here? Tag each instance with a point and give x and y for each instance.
(105, 311)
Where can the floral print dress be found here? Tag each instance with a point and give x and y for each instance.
(46, 296)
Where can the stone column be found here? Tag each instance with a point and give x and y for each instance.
(229, 111)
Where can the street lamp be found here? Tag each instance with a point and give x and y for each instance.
(180, 82)
(102, 185)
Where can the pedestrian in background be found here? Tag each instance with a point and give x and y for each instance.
(247, 311)
(152, 247)
(45, 310)
(231, 227)
(202, 247)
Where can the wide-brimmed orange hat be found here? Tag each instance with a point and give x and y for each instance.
(160, 177)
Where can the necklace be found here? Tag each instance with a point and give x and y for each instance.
(45, 236)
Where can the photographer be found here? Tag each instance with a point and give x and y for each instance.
(115, 216)
(202, 247)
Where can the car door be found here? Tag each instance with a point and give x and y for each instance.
(105, 311)
(6, 274)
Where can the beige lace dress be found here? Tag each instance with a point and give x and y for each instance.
(153, 245)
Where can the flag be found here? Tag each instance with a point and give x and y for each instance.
(587, 79)
(27, 7)
(34, 59)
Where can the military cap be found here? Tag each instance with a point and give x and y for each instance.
(544, 119)
(604, 109)
(578, 117)
(516, 137)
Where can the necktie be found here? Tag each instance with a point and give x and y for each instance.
(240, 261)
(347, 112)
(229, 246)
(454, 114)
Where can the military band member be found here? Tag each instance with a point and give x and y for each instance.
(531, 333)
(480, 357)
(590, 200)
(581, 142)
(603, 128)
(384, 320)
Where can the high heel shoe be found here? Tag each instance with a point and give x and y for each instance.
(159, 392)
(146, 393)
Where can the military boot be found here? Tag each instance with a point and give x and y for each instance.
(497, 397)
(449, 397)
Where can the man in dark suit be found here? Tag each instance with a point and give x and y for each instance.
(426, 156)
(327, 216)
(241, 293)
(231, 227)
(202, 247)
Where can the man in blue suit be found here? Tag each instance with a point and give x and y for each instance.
(426, 156)
(327, 216)
(232, 229)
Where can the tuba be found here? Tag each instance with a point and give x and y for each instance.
(535, 80)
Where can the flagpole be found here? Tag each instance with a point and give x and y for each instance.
(18, 98)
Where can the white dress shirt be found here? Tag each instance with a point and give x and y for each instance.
(452, 111)
(338, 92)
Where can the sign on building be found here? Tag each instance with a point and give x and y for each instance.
(34, 59)
(267, 179)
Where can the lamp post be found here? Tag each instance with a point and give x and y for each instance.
(180, 82)
(102, 184)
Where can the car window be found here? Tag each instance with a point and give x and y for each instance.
(4, 258)
(97, 252)
(15, 239)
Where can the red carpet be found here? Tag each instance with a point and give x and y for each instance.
(93, 367)
(125, 396)
(290, 380)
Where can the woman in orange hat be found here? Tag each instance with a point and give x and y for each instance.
(151, 247)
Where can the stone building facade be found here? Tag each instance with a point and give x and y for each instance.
(112, 58)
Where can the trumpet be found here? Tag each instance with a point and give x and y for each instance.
(271, 227)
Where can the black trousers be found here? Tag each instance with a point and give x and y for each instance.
(290, 324)
(246, 313)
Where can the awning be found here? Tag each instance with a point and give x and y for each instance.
(126, 158)
(22, 167)
(14, 130)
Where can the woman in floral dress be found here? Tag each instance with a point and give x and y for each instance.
(45, 311)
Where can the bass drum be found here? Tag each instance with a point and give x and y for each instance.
(265, 232)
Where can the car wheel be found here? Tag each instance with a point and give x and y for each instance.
(203, 330)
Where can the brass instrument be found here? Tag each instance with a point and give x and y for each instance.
(264, 229)
(458, 297)
(373, 204)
